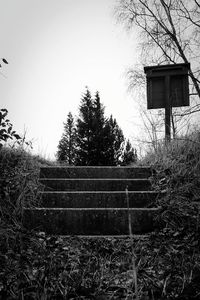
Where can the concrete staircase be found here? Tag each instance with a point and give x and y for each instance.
(92, 201)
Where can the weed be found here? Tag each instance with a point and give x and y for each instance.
(37, 266)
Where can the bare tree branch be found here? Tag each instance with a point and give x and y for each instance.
(169, 28)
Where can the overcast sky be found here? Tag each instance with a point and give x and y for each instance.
(55, 48)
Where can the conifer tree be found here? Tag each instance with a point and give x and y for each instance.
(67, 144)
(114, 142)
(94, 139)
(129, 155)
(99, 132)
(100, 140)
(85, 129)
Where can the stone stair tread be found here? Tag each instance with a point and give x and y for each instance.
(79, 199)
(95, 171)
(92, 201)
(97, 184)
(90, 221)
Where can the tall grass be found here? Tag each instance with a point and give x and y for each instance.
(19, 187)
(177, 171)
(167, 261)
(180, 150)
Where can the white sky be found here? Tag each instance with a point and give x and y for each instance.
(55, 48)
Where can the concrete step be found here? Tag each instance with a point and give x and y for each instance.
(90, 221)
(91, 201)
(95, 172)
(99, 184)
(98, 199)
(136, 237)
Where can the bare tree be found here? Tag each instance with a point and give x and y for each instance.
(169, 33)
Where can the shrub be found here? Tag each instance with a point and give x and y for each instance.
(6, 129)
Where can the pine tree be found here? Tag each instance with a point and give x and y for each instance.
(98, 157)
(129, 155)
(100, 140)
(94, 139)
(85, 129)
(114, 142)
(67, 144)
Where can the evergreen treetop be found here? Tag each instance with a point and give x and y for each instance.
(67, 144)
(93, 139)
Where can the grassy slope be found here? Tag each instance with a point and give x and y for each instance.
(41, 267)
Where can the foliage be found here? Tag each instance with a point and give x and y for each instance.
(49, 267)
(114, 142)
(100, 140)
(93, 139)
(38, 266)
(6, 129)
(177, 173)
(85, 130)
(8, 136)
(129, 155)
(19, 182)
(99, 133)
(18, 187)
(180, 162)
(67, 145)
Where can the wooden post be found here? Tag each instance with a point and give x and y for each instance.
(167, 110)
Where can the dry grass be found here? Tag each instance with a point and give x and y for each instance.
(37, 266)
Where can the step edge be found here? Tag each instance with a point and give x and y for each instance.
(94, 179)
(96, 167)
(91, 209)
(101, 192)
(134, 236)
